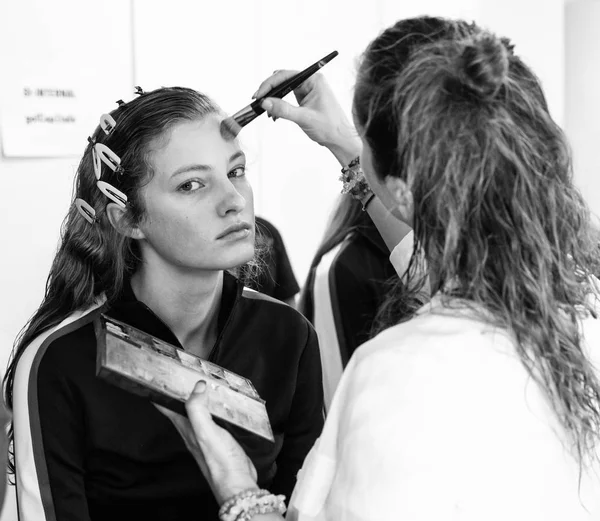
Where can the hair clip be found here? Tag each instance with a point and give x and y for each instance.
(510, 47)
(107, 123)
(116, 196)
(102, 154)
(120, 102)
(85, 210)
(138, 90)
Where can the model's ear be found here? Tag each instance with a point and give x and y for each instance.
(119, 219)
(403, 208)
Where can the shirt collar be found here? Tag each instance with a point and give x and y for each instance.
(127, 308)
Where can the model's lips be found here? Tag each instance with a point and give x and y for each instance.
(239, 227)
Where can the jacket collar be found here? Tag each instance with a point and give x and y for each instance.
(127, 308)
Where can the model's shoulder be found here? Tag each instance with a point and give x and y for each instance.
(270, 308)
(69, 337)
(253, 297)
(62, 349)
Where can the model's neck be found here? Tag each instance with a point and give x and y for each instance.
(187, 301)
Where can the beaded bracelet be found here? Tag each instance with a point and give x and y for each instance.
(250, 502)
(355, 183)
(267, 504)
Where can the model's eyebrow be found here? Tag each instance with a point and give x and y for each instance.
(238, 155)
(206, 168)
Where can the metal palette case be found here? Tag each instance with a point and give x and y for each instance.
(146, 366)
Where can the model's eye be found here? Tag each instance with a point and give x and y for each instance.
(239, 171)
(190, 186)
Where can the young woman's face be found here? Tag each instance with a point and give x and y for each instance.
(199, 204)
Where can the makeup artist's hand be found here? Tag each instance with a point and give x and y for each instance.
(318, 114)
(222, 461)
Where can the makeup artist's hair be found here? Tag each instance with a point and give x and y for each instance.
(95, 260)
(463, 121)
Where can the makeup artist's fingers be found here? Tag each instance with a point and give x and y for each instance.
(182, 425)
(186, 431)
(226, 461)
(272, 81)
(278, 108)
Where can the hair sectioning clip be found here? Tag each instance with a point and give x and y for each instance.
(107, 123)
(102, 154)
(116, 196)
(85, 210)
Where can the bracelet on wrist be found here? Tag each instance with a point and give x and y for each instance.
(365, 202)
(250, 502)
(355, 184)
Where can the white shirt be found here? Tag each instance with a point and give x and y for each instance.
(437, 419)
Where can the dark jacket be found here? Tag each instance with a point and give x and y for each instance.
(96, 452)
(359, 277)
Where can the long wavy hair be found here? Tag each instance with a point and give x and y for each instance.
(451, 110)
(94, 261)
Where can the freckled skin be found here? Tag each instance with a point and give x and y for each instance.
(187, 212)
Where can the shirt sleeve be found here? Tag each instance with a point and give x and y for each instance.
(305, 422)
(57, 445)
(357, 298)
(401, 254)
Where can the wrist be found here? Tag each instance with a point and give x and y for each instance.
(228, 490)
(355, 184)
(252, 503)
(345, 148)
(366, 200)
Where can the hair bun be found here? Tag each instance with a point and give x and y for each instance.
(483, 65)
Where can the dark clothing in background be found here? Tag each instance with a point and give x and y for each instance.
(359, 278)
(277, 278)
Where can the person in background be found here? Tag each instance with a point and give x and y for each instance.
(276, 277)
(484, 403)
(347, 282)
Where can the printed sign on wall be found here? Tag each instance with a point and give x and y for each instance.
(56, 83)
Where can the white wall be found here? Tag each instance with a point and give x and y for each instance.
(582, 122)
(37, 191)
(227, 57)
(226, 50)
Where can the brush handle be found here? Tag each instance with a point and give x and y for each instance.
(283, 89)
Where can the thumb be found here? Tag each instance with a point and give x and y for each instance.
(277, 108)
(196, 407)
